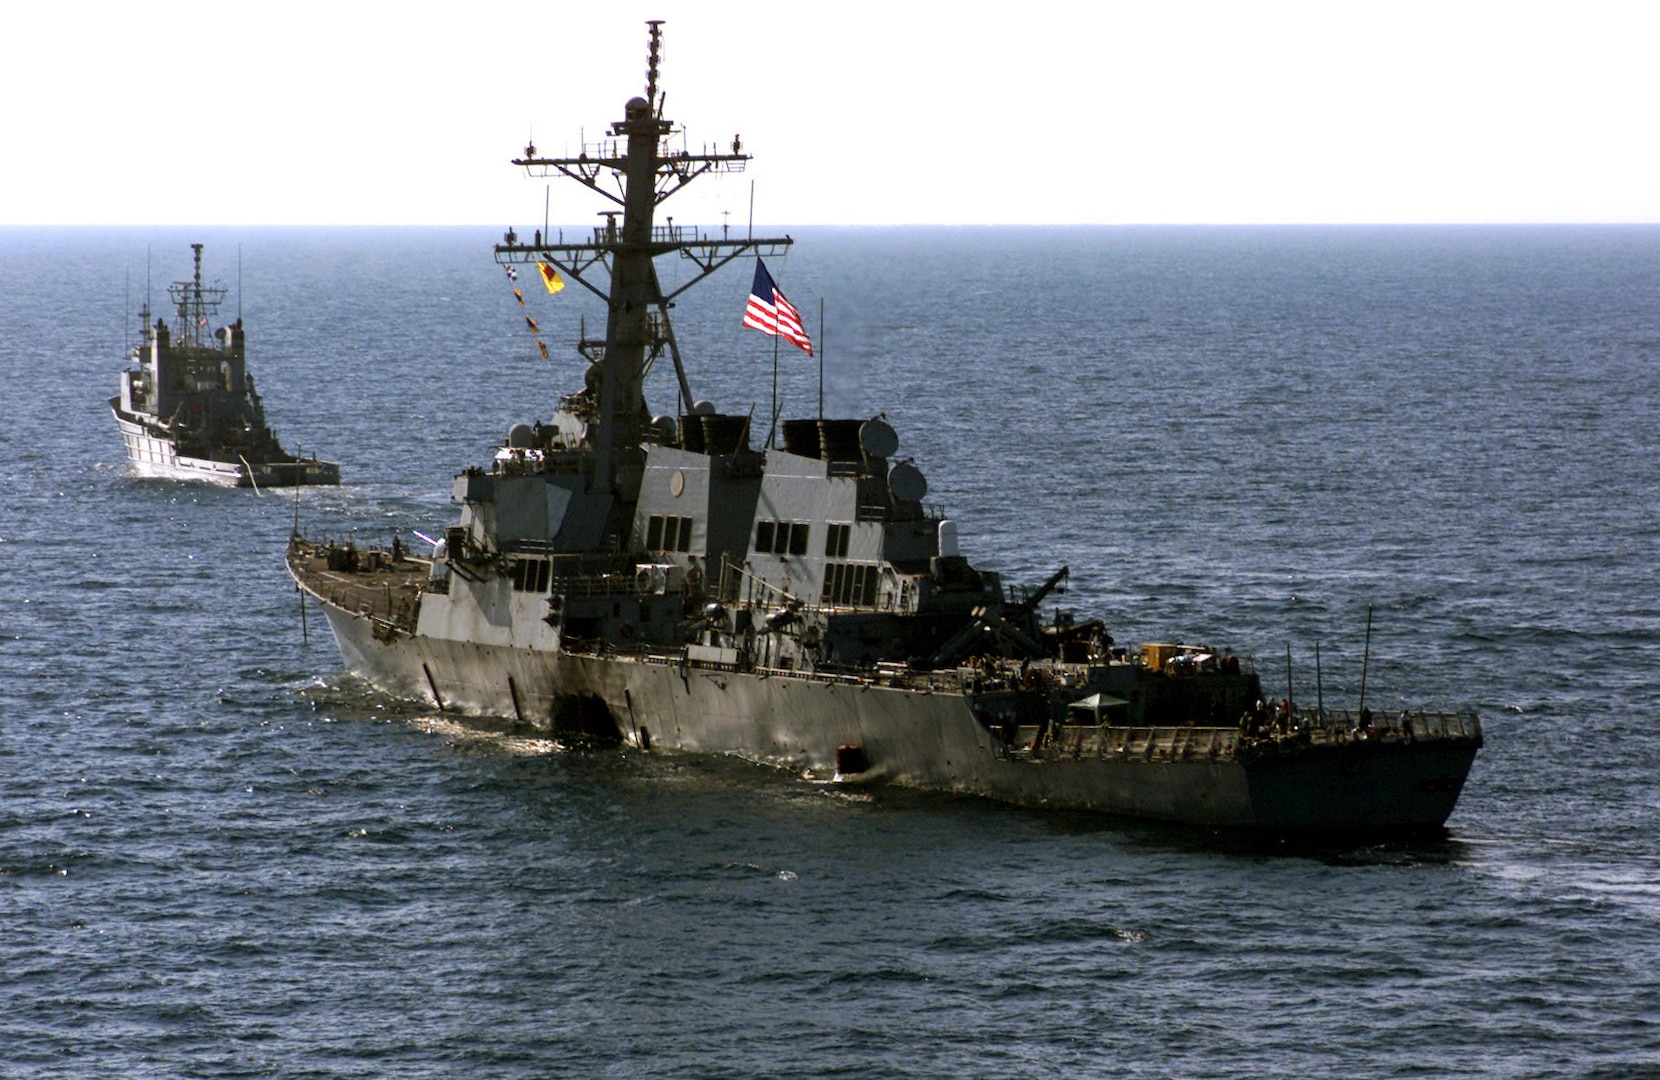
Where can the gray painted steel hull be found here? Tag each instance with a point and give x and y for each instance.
(912, 738)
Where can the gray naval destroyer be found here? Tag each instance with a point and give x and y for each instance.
(188, 409)
(660, 582)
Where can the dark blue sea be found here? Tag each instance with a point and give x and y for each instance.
(221, 856)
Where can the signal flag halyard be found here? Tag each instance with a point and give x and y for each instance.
(770, 313)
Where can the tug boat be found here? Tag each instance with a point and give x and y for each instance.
(188, 409)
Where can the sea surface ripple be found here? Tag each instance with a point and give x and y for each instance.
(221, 856)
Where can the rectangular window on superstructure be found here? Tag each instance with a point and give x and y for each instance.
(835, 541)
(669, 532)
(782, 537)
(850, 584)
(832, 581)
(530, 575)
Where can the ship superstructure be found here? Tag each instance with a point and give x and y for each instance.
(188, 409)
(659, 580)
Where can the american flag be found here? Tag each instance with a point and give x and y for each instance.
(770, 313)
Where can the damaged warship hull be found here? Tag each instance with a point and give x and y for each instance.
(658, 581)
(924, 730)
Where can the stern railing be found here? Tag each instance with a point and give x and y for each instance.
(1106, 742)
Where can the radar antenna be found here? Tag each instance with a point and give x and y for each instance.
(654, 54)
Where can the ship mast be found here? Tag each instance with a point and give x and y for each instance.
(194, 302)
(639, 162)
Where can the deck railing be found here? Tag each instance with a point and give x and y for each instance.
(1182, 743)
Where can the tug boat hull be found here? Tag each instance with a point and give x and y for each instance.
(155, 457)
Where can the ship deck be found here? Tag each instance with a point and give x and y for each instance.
(385, 587)
(382, 586)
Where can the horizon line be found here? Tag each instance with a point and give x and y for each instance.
(1566, 223)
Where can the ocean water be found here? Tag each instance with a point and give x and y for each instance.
(222, 856)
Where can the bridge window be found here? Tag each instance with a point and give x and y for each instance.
(781, 537)
(850, 584)
(668, 532)
(530, 575)
(835, 541)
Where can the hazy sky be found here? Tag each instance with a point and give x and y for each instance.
(363, 112)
